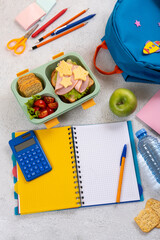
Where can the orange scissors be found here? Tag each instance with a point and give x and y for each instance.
(18, 44)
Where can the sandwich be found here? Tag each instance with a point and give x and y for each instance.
(71, 81)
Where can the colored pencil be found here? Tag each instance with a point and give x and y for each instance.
(49, 23)
(72, 24)
(59, 35)
(122, 162)
(65, 23)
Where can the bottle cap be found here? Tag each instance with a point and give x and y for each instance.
(141, 132)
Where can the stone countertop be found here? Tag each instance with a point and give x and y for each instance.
(99, 223)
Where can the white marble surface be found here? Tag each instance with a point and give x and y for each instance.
(104, 222)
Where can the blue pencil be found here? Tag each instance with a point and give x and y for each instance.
(72, 24)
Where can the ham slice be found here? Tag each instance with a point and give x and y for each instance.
(79, 85)
(82, 85)
(63, 90)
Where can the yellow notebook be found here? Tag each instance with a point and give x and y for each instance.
(85, 163)
(56, 189)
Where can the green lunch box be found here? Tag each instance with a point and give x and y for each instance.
(44, 73)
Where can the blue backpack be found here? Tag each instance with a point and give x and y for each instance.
(125, 40)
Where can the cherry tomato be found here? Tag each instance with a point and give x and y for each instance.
(43, 113)
(48, 99)
(40, 103)
(36, 109)
(50, 111)
(53, 105)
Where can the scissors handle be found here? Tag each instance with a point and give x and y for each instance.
(12, 43)
(20, 47)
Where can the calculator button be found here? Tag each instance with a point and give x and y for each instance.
(29, 165)
(22, 163)
(42, 159)
(38, 161)
(28, 151)
(21, 159)
(31, 159)
(23, 154)
(19, 156)
(46, 167)
(24, 167)
(34, 153)
(29, 155)
(29, 176)
(31, 169)
(37, 171)
(40, 155)
(36, 147)
(25, 158)
(41, 168)
(32, 149)
(35, 167)
(36, 157)
(27, 161)
(33, 173)
(26, 171)
(44, 163)
(33, 163)
(38, 151)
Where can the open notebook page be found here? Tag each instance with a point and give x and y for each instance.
(99, 151)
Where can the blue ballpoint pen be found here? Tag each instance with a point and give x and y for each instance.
(60, 30)
(122, 162)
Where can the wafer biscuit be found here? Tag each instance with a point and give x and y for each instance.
(29, 85)
(147, 219)
(25, 77)
(155, 205)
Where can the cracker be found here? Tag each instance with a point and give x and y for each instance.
(154, 205)
(23, 78)
(147, 219)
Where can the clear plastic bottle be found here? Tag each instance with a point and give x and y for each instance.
(149, 148)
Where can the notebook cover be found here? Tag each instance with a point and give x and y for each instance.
(135, 160)
(150, 113)
(56, 189)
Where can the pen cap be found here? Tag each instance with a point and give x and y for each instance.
(141, 133)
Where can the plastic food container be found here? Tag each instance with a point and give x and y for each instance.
(44, 73)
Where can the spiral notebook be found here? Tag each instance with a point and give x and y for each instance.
(85, 164)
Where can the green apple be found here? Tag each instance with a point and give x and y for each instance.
(122, 102)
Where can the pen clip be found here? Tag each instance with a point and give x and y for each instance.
(123, 153)
(120, 160)
(59, 29)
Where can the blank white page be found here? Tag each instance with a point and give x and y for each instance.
(98, 152)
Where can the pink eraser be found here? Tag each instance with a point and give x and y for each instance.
(30, 15)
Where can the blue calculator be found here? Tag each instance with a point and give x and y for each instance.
(30, 155)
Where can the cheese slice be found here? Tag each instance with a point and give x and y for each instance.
(66, 81)
(80, 73)
(64, 69)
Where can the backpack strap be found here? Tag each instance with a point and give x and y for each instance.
(116, 69)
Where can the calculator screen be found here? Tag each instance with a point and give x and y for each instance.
(24, 145)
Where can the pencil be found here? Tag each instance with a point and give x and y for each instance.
(65, 23)
(49, 23)
(122, 162)
(59, 35)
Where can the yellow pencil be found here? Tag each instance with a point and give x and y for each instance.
(122, 162)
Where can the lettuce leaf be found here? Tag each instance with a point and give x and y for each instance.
(32, 113)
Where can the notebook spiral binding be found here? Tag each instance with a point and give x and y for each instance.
(74, 167)
(78, 166)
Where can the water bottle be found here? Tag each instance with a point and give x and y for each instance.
(149, 148)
